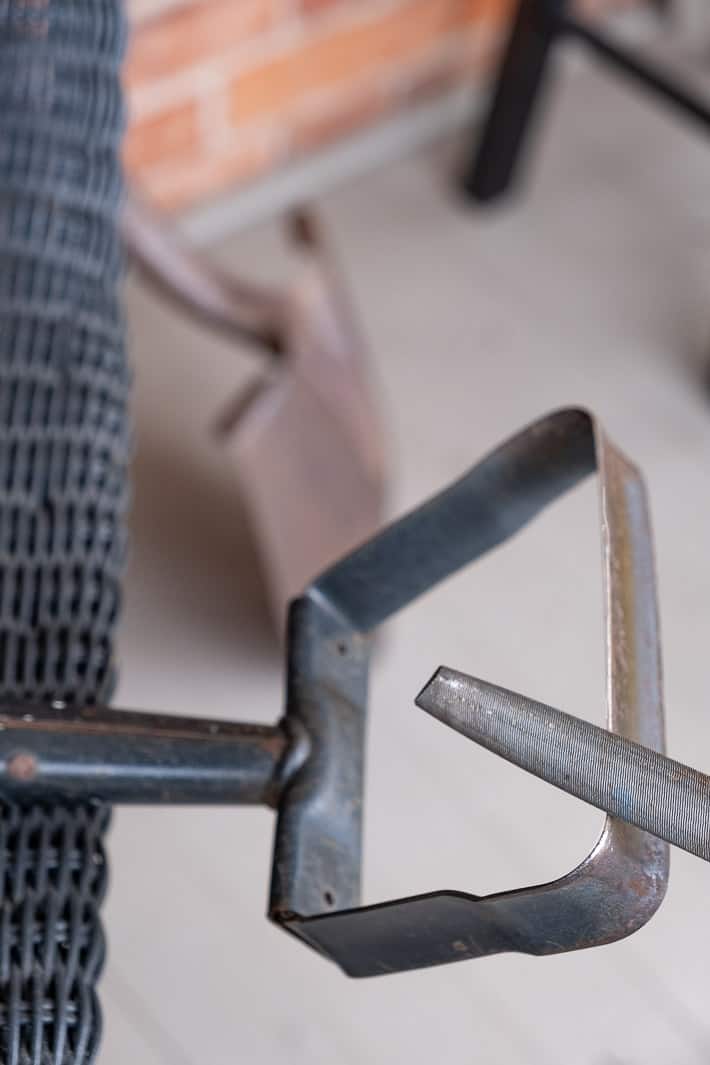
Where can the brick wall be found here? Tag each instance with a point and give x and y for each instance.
(222, 91)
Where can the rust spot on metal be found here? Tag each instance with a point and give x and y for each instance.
(639, 886)
(22, 766)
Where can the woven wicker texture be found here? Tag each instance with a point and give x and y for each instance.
(63, 454)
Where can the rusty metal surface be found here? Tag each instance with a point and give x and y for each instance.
(315, 887)
(631, 782)
(84, 753)
(306, 438)
(310, 765)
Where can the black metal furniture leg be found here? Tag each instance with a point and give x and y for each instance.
(525, 66)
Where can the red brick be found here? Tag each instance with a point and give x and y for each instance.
(182, 182)
(347, 54)
(315, 7)
(341, 74)
(195, 33)
(314, 127)
(169, 134)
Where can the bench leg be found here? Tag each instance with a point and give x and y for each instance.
(521, 77)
